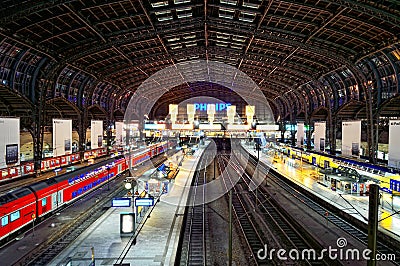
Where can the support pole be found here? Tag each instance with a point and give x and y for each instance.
(214, 168)
(93, 262)
(230, 229)
(373, 222)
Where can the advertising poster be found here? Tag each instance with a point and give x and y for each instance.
(394, 144)
(300, 134)
(9, 142)
(11, 154)
(96, 134)
(351, 138)
(62, 137)
(319, 136)
(321, 144)
(119, 133)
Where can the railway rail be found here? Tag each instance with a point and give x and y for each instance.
(194, 246)
(247, 226)
(279, 229)
(297, 192)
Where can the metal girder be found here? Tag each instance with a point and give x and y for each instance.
(294, 19)
(116, 67)
(135, 36)
(81, 90)
(373, 11)
(276, 82)
(378, 26)
(354, 36)
(27, 7)
(263, 57)
(269, 35)
(293, 71)
(20, 11)
(317, 41)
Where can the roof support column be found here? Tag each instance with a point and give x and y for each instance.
(82, 127)
(332, 132)
(308, 132)
(370, 112)
(293, 122)
(38, 119)
(282, 128)
(109, 124)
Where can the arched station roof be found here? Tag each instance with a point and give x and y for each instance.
(304, 55)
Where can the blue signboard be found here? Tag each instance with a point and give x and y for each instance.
(121, 202)
(218, 106)
(144, 202)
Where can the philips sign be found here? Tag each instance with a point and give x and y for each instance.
(218, 106)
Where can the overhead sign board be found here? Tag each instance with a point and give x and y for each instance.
(210, 126)
(144, 202)
(267, 127)
(218, 106)
(154, 126)
(121, 202)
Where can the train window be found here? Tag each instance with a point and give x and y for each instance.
(4, 221)
(14, 216)
(44, 202)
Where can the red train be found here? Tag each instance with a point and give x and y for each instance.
(48, 164)
(20, 207)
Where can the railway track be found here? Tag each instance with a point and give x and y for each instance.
(194, 251)
(296, 192)
(245, 221)
(279, 227)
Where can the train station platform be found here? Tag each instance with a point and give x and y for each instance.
(157, 240)
(306, 175)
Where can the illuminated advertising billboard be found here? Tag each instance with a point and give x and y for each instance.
(62, 137)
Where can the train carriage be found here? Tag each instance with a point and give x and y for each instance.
(20, 207)
(47, 197)
(17, 208)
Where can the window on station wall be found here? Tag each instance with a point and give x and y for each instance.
(106, 96)
(85, 98)
(376, 61)
(63, 82)
(355, 93)
(387, 78)
(96, 98)
(339, 87)
(306, 98)
(25, 70)
(314, 98)
(88, 87)
(396, 54)
(124, 100)
(389, 86)
(319, 97)
(22, 82)
(8, 58)
(332, 100)
(74, 88)
(4, 76)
